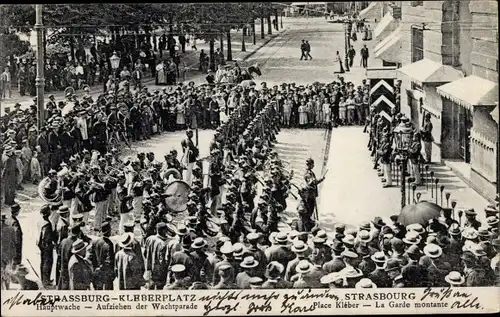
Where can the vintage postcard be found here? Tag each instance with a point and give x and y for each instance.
(249, 158)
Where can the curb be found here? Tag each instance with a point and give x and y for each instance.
(469, 183)
(264, 44)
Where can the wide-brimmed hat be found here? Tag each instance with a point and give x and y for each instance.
(349, 254)
(364, 236)
(353, 273)
(378, 222)
(337, 246)
(392, 264)
(126, 239)
(178, 268)
(413, 250)
(365, 225)
(365, 283)
(299, 246)
(198, 243)
(470, 233)
(181, 230)
(379, 257)
(477, 250)
(454, 229)
(281, 237)
(249, 262)
(433, 251)
(492, 221)
(274, 269)
(78, 246)
(238, 249)
(416, 227)
(303, 267)
(454, 278)
(331, 278)
(412, 237)
(349, 239)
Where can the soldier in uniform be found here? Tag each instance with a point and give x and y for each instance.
(46, 245)
(102, 256)
(13, 222)
(190, 154)
(312, 182)
(178, 272)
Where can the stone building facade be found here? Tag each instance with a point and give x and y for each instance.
(448, 53)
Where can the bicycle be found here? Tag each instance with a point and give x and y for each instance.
(117, 138)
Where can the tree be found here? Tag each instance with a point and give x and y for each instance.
(14, 18)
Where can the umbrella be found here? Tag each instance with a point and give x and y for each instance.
(420, 213)
(248, 83)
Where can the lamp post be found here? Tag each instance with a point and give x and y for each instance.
(115, 64)
(40, 78)
(347, 45)
(402, 138)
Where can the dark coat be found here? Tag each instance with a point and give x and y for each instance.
(80, 273)
(155, 251)
(18, 238)
(129, 269)
(102, 256)
(63, 260)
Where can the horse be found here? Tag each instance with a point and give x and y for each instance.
(248, 74)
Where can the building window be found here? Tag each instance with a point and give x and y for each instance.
(417, 3)
(417, 44)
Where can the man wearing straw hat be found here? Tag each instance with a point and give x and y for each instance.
(454, 279)
(79, 268)
(243, 278)
(128, 265)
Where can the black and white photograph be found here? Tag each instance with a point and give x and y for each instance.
(214, 148)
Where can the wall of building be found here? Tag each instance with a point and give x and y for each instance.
(484, 33)
(465, 38)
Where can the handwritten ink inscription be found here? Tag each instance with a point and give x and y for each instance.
(460, 299)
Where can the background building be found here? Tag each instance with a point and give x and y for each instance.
(448, 51)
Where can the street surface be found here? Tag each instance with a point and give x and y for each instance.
(352, 191)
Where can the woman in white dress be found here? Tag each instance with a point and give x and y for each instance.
(326, 112)
(287, 111)
(302, 115)
(160, 74)
(181, 115)
(342, 111)
(339, 68)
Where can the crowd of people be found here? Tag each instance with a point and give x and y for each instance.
(235, 234)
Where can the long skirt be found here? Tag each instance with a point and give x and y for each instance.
(181, 119)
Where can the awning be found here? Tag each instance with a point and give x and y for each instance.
(385, 27)
(370, 12)
(494, 114)
(389, 49)
(428, 71)
(470, 91)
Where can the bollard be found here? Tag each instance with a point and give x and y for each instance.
(453, 205)
(426, 177)
(442, 189)
(460, 214)
(414, 188)
(436, 187)
(447, 195)
(432, 184)
(410, 181)
(418, 197)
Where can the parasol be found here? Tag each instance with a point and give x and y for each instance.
(247, 83)
(420, 213)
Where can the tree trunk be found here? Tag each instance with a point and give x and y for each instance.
(254, 40)
(243, 48)
(276, 19)
(269, 26)
(222, 43)
(211, 54)
(72, 47)
(229, 50)
(262, 27)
